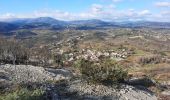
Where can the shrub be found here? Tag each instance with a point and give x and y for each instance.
(24, 94)
(105, 72)
(77, 63)
(150, 60)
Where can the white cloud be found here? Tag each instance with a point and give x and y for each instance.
(7, 15)
(165, 13)
(111, 6)
(53, 13)
(117, 0)
(144, 12)
(96, 11)
(162, 4)
(96, 8)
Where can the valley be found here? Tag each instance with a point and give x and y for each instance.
(77, 59)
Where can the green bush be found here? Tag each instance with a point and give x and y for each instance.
(24, 94)
(77, 63)
(105, 72)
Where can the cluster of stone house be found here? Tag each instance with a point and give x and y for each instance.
(94, 55)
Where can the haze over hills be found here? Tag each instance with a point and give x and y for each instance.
(51, 23)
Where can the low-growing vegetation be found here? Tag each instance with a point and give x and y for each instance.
(24, 94)
(105, 72)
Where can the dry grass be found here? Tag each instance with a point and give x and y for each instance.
(160, 72)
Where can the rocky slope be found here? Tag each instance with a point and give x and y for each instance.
(69, 90)
(101, 92)
(28, 73)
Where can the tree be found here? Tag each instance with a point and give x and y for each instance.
(13, 52)
(59, 60)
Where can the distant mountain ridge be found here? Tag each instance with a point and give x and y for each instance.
(51, 23)
(5, 27)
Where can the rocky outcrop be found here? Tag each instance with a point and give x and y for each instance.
(101, 92)
(68, 89)
(28, 73)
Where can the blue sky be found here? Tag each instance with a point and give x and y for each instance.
(116, 10)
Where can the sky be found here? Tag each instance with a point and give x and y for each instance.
(109, 10)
